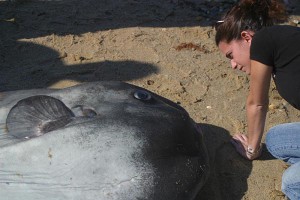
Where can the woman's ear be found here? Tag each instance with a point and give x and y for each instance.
(246, 36)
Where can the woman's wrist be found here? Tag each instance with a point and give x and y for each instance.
(253, 153)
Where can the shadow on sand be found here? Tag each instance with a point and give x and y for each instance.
(36, 66)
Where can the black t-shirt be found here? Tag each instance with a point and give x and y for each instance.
(279, 48)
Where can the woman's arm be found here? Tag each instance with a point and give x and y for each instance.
(257, 102)
(257, 106)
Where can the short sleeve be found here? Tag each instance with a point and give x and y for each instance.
(262, 48)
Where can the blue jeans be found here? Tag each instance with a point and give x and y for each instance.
(283, 142)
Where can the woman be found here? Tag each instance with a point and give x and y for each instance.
(247, 37)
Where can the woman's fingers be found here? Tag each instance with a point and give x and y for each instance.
(238, 146)
(240, 142)
(242, 138)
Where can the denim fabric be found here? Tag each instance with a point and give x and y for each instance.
(283, 142)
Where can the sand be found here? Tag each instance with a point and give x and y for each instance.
(164, 46)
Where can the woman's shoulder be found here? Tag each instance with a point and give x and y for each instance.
(277, 34)
(271, 41)
(279, 30)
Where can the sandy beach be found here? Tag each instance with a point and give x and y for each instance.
(164, 46)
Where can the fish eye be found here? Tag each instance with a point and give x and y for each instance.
(142, 95)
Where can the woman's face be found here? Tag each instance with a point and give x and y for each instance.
(238, 51)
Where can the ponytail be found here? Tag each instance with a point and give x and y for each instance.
(249, 15)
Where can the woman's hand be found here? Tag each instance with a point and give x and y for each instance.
(240, 142)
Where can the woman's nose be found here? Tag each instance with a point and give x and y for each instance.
(233, 64)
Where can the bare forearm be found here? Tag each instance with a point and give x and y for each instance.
(256, 117)
(257, 105)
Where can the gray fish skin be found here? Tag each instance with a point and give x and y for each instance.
(130, 149)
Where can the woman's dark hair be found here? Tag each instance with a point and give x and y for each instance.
(249, 15)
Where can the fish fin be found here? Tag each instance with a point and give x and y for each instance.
(6, 139)
(37, 115)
